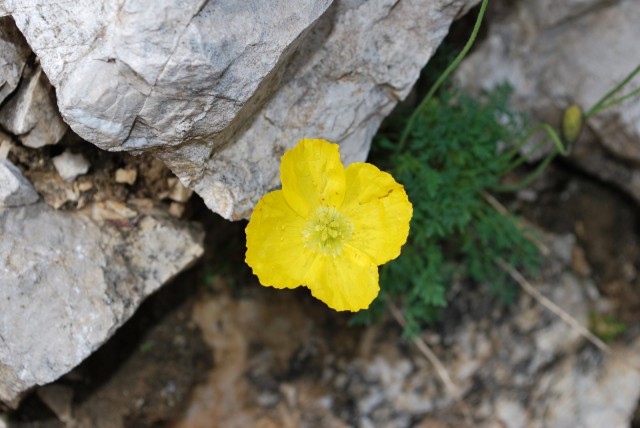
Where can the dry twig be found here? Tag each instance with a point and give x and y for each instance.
(441, 370)
(557, 310)
(501, 209)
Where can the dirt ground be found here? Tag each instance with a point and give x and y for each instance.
(214, 348)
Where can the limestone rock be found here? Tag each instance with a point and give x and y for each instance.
(15, 189)
(15, 53)
(67, 282)
(521, 368)
(70, 165)
(515, 366)
(124, 85)
(31, 112)
(221, 92)
(360, 59)
(558, 53)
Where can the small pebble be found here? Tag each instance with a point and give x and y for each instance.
(85, 185)
(5, 148)
(176, 209)
(69, 166)
(126, 176)
(178, 192)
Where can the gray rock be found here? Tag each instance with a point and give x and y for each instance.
(124, 85)
(31, 112)
(15, 189)
(590, 390)
(67, 282)
(70, 165)
(558, 53)
(14, 55)
(514, 367)
(360, 59)
(221, 92)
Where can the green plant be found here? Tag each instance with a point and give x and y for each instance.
(449, 161)
(447, 154)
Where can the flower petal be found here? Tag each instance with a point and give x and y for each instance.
(312, 174)
(348, 282)
(380, 210)
(275, 250)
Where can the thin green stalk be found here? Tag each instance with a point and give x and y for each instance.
(516, 149)
(559, 149)
(523, 158)
(425, 101)
(551, 133)
(619, 100)
(530, 178)
(600, 105)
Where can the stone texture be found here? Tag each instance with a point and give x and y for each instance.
(70, 165)
(67, 282)
(126, 176)
(515, 365)
(558, 53)
(124, 85)
(31, 112)
(15, 53)
(218, 103)
(525, 369)
(15, 189)
(360, 59)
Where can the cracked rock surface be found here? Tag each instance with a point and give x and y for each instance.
(67, 282)
(15, 189)
(218, 90)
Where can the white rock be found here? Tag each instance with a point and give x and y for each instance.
(68, 282)
(360, 59)
(15, 189)
(141, 74)
(14, 53)
(558, 53)
(70, 165)
(223, 90)
(31, 112)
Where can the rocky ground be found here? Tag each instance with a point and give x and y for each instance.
(213, 348)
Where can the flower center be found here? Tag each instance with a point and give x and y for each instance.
(327, 230)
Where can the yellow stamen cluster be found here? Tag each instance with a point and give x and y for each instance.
(327, 230)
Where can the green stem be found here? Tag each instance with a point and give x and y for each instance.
(516, 149)
(523, 158)
(602, 104)
(619, 100)
(530, 178)
(551, 133)
(559, 149)
(425, 101)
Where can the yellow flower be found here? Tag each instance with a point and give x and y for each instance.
(329, 228)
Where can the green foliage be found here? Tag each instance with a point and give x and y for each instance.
(450, 160)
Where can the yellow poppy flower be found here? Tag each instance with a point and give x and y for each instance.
(329, 228)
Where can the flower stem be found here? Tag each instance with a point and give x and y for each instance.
(559, 149)
(603, 104)
(445, 74)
